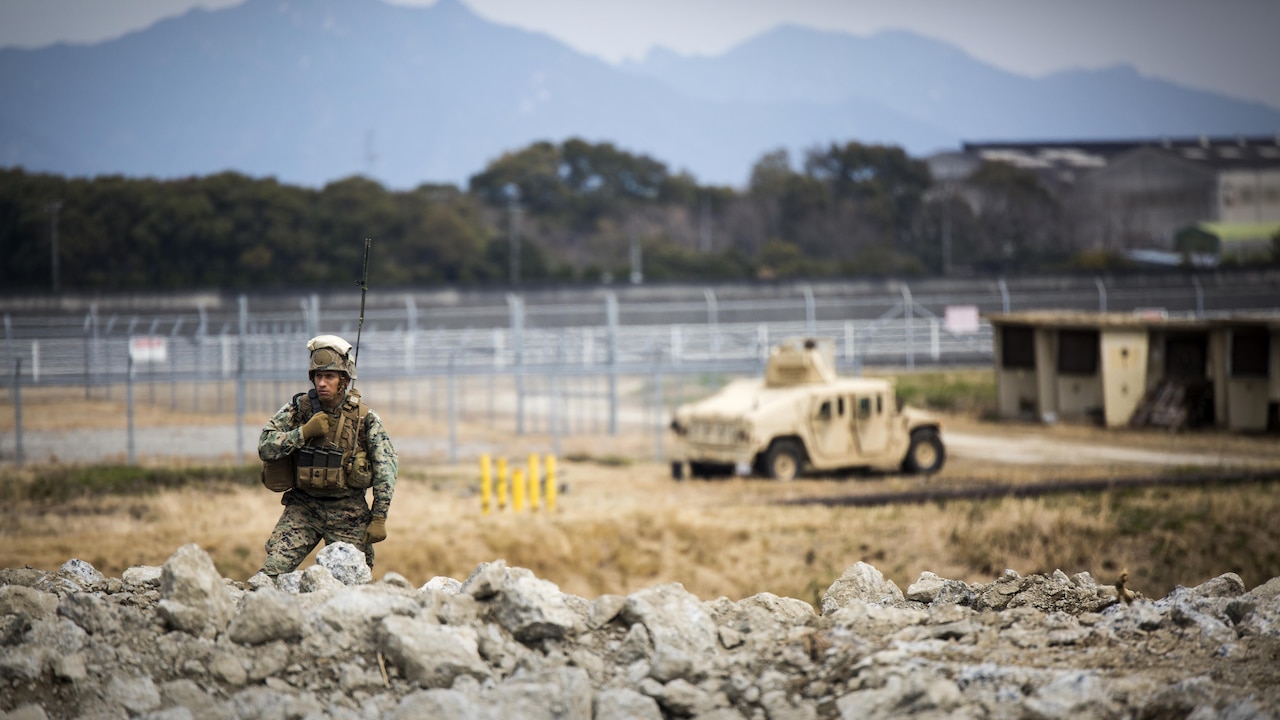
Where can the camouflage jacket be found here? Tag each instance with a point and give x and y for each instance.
(282, 436)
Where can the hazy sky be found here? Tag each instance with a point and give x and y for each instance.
(1229, 46)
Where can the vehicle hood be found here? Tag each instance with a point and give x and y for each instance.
(739, 399)
(916, 417)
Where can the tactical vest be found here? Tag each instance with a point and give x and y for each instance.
(334, 465)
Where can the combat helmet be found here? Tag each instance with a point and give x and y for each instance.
(330, 352)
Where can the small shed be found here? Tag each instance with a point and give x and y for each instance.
(1141, 368)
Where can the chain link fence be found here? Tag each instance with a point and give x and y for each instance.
(555, 364)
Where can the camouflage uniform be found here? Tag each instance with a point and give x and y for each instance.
(330, 515)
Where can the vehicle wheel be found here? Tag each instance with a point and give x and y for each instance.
(677, 470)
(926, 453)
(784, 461)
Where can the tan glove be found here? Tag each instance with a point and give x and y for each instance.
(377, 530)
(317, 426)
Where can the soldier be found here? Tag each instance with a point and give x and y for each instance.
(323, 450)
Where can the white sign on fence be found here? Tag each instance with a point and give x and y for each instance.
(148, 348)
(962, 319)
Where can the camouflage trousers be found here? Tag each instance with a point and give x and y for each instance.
(307, 520)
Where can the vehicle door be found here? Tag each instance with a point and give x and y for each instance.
(871, 422)
(829, 427)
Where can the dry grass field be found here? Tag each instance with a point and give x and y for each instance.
(621, 523)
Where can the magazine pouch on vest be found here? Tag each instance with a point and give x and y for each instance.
(320, 468)
(341, 463)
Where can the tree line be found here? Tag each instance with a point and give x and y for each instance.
(568, 212)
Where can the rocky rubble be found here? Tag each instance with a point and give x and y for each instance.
(180, 641)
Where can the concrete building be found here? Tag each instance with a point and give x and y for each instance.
(1139, 369)
(1142, 193)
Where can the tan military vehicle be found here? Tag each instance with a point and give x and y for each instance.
(801, 417)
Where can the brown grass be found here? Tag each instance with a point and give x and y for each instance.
(622, 524)
(617, 530)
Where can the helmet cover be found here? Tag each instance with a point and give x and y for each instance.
(330, 352)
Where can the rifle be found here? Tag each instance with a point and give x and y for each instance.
(364, 288)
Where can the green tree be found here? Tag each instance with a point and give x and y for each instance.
(532, 177)
(1018, 226)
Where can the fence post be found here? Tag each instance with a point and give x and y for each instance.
(907, 306)
(453, 411)
(17, 411)
(8, 338)
(810, 311)
(516, 308)
(611, 311)
(1102, 294)
(90, 330)
(557, 398)
(240, 391)
(411, 335)
(129, 409)
(658, 411)
(713, 327)
(848, 341)
(497, 362)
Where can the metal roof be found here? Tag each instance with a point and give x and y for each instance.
(1093, 320)
(1085, 155)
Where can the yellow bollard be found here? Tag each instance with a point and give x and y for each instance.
(517, 490)
(551, 483)
(534, 482)
(486, 485)
(502, 483)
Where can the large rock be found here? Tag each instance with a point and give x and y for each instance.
(348, 621)
(264, 616)
(27, 602)
(433, 656)
(194, 598)
(863, 583)
(345, 562)
(532, 609)
(675, 619)
(506, 644)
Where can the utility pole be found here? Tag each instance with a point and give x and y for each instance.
(946, 233)
(637, 270)
(53, 207)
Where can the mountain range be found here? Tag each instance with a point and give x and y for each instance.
(311, 91)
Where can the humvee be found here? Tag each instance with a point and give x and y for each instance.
(801, 417)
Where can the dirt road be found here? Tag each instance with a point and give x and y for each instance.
(60, 425)
(990, 443)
